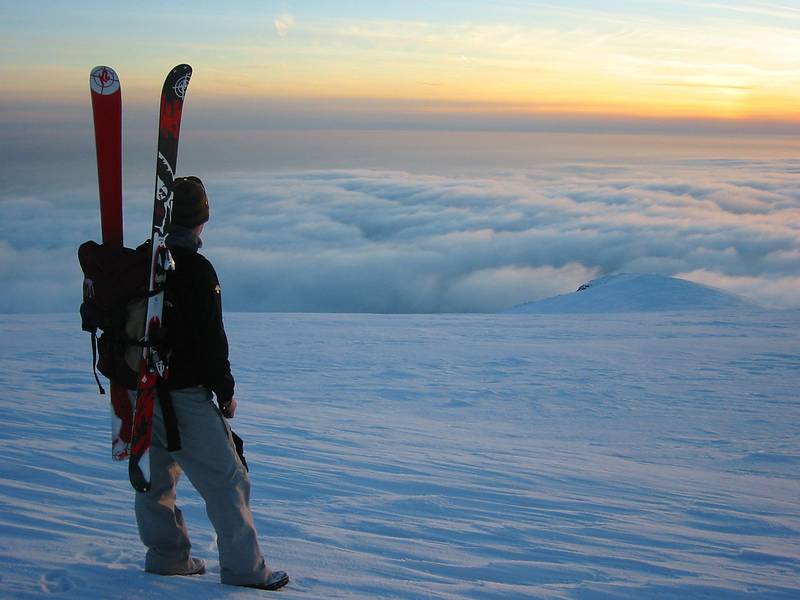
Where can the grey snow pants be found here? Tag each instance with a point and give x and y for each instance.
(209, 459)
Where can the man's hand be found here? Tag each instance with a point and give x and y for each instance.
(230, 409)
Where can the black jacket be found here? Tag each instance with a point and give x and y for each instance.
(193, 322)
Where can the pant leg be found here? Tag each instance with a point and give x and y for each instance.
(160, 521)
(208, 457)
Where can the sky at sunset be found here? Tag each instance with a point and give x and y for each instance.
(630, 122)
(732, 61)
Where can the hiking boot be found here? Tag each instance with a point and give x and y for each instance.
(197, 566)
(275, 581)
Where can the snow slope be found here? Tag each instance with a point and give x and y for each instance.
(481, 456)
(631, 292)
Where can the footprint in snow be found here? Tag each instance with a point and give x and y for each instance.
(114, 557)
(56, 581)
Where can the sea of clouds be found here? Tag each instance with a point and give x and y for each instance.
(393, 241)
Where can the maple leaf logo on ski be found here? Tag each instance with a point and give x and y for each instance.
(104, 81)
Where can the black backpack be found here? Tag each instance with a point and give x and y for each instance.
(115, 293)
(115, 302)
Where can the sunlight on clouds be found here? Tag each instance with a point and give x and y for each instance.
(709, 62)
(283, 23)
(392, 241)
(771, 292)
(640, 68)
(479, 288)
(397, 242)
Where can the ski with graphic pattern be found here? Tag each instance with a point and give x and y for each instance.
(154, 369)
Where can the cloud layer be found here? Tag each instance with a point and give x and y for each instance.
(388, 241)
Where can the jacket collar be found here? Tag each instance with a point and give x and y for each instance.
(182, 237)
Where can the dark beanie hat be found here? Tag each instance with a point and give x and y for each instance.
(189, 202)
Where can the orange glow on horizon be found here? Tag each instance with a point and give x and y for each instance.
(634, 68)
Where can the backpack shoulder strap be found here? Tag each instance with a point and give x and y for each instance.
(94, 363)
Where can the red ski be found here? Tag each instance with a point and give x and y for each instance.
(107, 112)
(155, 360)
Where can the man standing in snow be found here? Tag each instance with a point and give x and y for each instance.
(199, 369)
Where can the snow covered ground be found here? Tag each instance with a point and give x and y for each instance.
(448, 456)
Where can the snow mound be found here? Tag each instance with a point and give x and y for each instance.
(631, 292)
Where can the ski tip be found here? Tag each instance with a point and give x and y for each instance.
(178, 80)
(104, 81)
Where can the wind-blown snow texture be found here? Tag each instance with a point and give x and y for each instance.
(507, 456)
